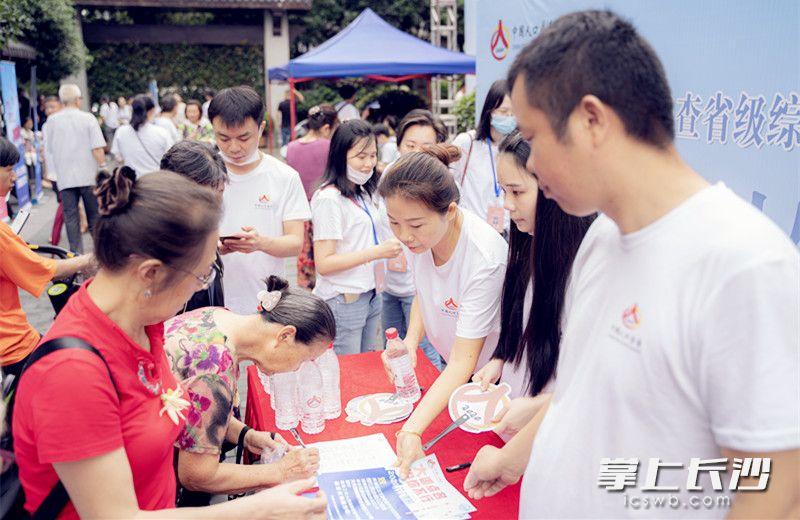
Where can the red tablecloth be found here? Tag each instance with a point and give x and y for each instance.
(363, 374)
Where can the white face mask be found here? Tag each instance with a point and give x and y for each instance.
(358, 177)
(253, 157)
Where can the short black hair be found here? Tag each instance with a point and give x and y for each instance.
(168, 103)
(421, 117)
(235, 105)
(347, 91)
(9, 154)
(597, 53)
(197, 161)
(380, 129)
(494, 98)
(343, 139)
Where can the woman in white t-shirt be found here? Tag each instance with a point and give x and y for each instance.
(141, 144)
(458, 263)
(419, 128)
(347, 252)
(543, 240)
(476, 170)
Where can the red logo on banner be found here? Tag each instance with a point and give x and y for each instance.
(499, 43)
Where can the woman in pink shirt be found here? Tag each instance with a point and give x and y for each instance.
(308, 155)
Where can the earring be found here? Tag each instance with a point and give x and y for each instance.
(148, 293)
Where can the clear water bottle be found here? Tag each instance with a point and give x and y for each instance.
(283, 393)
(405, 379)
(328, 364)
(309, 390)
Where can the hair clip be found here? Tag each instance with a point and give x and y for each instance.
(268, 300)
(314, 110)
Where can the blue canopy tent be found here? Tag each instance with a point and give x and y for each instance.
(372, 48)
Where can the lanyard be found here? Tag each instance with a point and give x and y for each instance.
(494, 173)
(364, 207)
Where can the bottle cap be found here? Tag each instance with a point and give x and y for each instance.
(391, 333)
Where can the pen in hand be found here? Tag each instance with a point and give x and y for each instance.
(458, 467)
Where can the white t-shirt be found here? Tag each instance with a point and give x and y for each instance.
(338, 218)
(462, 297)
(70, 136)
(681, 338)
(168, 125)
(397, 283)
(110, 114)
(141, 150)
(346, 112)
(263, 198)
(479, 185)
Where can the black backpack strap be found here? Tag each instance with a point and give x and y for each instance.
(53, 503)
(58, 498)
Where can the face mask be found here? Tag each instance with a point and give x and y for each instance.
(253, 157)
(358, 177)
(504, 124)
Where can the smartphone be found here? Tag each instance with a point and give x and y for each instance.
(229, 237)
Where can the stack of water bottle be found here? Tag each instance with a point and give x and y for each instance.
(307, 396)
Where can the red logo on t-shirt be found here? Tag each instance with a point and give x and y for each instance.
(630, 317)
(450, 304)
(263, 198)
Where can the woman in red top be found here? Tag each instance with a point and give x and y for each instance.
(110, 442)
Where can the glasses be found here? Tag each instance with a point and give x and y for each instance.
(206, 279)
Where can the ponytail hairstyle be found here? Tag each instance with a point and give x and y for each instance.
(544, 259)
(164, 216)
(142, 104)
(347, 136)
(424, 177)
(321, 115)
(306, 312)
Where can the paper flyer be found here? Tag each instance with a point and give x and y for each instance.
(357, 491)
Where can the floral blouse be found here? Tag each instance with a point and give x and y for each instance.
(200, 357)
(203, 131)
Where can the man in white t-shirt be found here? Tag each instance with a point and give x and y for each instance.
(345, 109)
(265, 205)
(679, 372)
(75, 150)
(166, 118)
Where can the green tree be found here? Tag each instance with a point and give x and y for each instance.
(49, 27)
(328, 17)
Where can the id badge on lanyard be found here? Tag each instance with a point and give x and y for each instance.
(495, 215)
(378, 265)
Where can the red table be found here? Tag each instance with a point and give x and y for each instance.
(363, 374)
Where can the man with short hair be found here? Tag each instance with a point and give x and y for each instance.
(345, 108)
(74, 148)
(264, 203)
(166, 118)
(680, 350)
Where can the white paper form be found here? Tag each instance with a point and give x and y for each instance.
(369, 451)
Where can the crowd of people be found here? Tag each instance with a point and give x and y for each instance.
(562, 246)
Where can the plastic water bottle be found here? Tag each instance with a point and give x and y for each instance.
(312, 416)
(283, 393)
(328, 364)
(405, 379)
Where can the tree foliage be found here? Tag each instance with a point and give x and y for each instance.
(465, 112)
(126, 69)
(49, 27)
(328, 17)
